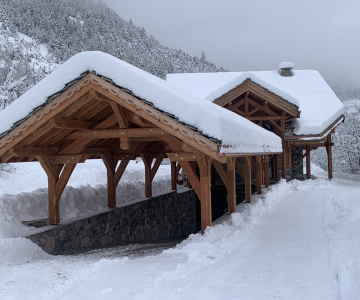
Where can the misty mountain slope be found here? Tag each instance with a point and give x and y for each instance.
(346, 139)
(23, 62)
(68, 27)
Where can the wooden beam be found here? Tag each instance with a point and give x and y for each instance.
(63, 159)
(266, 171)
(155, 167)
(259, 174)
(47, 166)
(231, 185)
(173, 176)
(253, 111)
(56, 185)
(247, 104)
(110, 164)
(205, 184)
(247, 179)
(53, 204)
(71, 124)
(116, 133)
(166, 123)
(148, 181)
(175, 145)
(283, 163)
(264, 107)
(329, 156)
(308, 170)
(35, 122)
(119, 114)
(240, 168)
(64, 179)
(120, 171)
(182, 156)
(221, 171)
(265, 118)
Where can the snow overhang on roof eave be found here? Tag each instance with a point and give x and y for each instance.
(316, 137)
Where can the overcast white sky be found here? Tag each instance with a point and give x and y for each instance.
(257, 34)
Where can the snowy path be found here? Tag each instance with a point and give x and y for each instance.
(300, 241)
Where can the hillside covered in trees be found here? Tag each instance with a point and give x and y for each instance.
(58, 29)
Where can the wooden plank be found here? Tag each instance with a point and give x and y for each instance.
(72, 124)
(259, 174)
(329, 155)
(266, 171)
(120, 171)
(308, 170)
(240, 168)
(63, 159)
(247, 179)
(231, 185)
(221, 171)
(182, 156)
(205, 185)
(115, 133)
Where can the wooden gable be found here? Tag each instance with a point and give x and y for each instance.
(256, 103)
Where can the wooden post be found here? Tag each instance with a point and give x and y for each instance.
(148, 185)
(205, 187)
(259, 174)
(231, 185)
(266, 171)
(150, 173)
(308, 171)
(56, 185)
(276, 166)
(247, 178)
(110, 164)
(173, 176)
(283, 163)
(329, 155)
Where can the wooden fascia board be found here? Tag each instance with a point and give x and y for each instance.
(334, 125)
(260, 91)
(154, 116)
(230, 155)
(41, 117)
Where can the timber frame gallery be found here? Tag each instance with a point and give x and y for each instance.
(257, 104)
(92, 118)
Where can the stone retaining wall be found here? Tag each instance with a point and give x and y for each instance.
(167, 216)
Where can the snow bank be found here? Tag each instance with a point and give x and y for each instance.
(19, 250)
(210, 119)
(74, 203)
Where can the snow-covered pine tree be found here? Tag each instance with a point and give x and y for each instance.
(67, 27)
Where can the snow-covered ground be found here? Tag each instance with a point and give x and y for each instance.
(300, 240)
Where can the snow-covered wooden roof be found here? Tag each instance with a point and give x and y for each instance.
(236, 134)
(306, 89)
